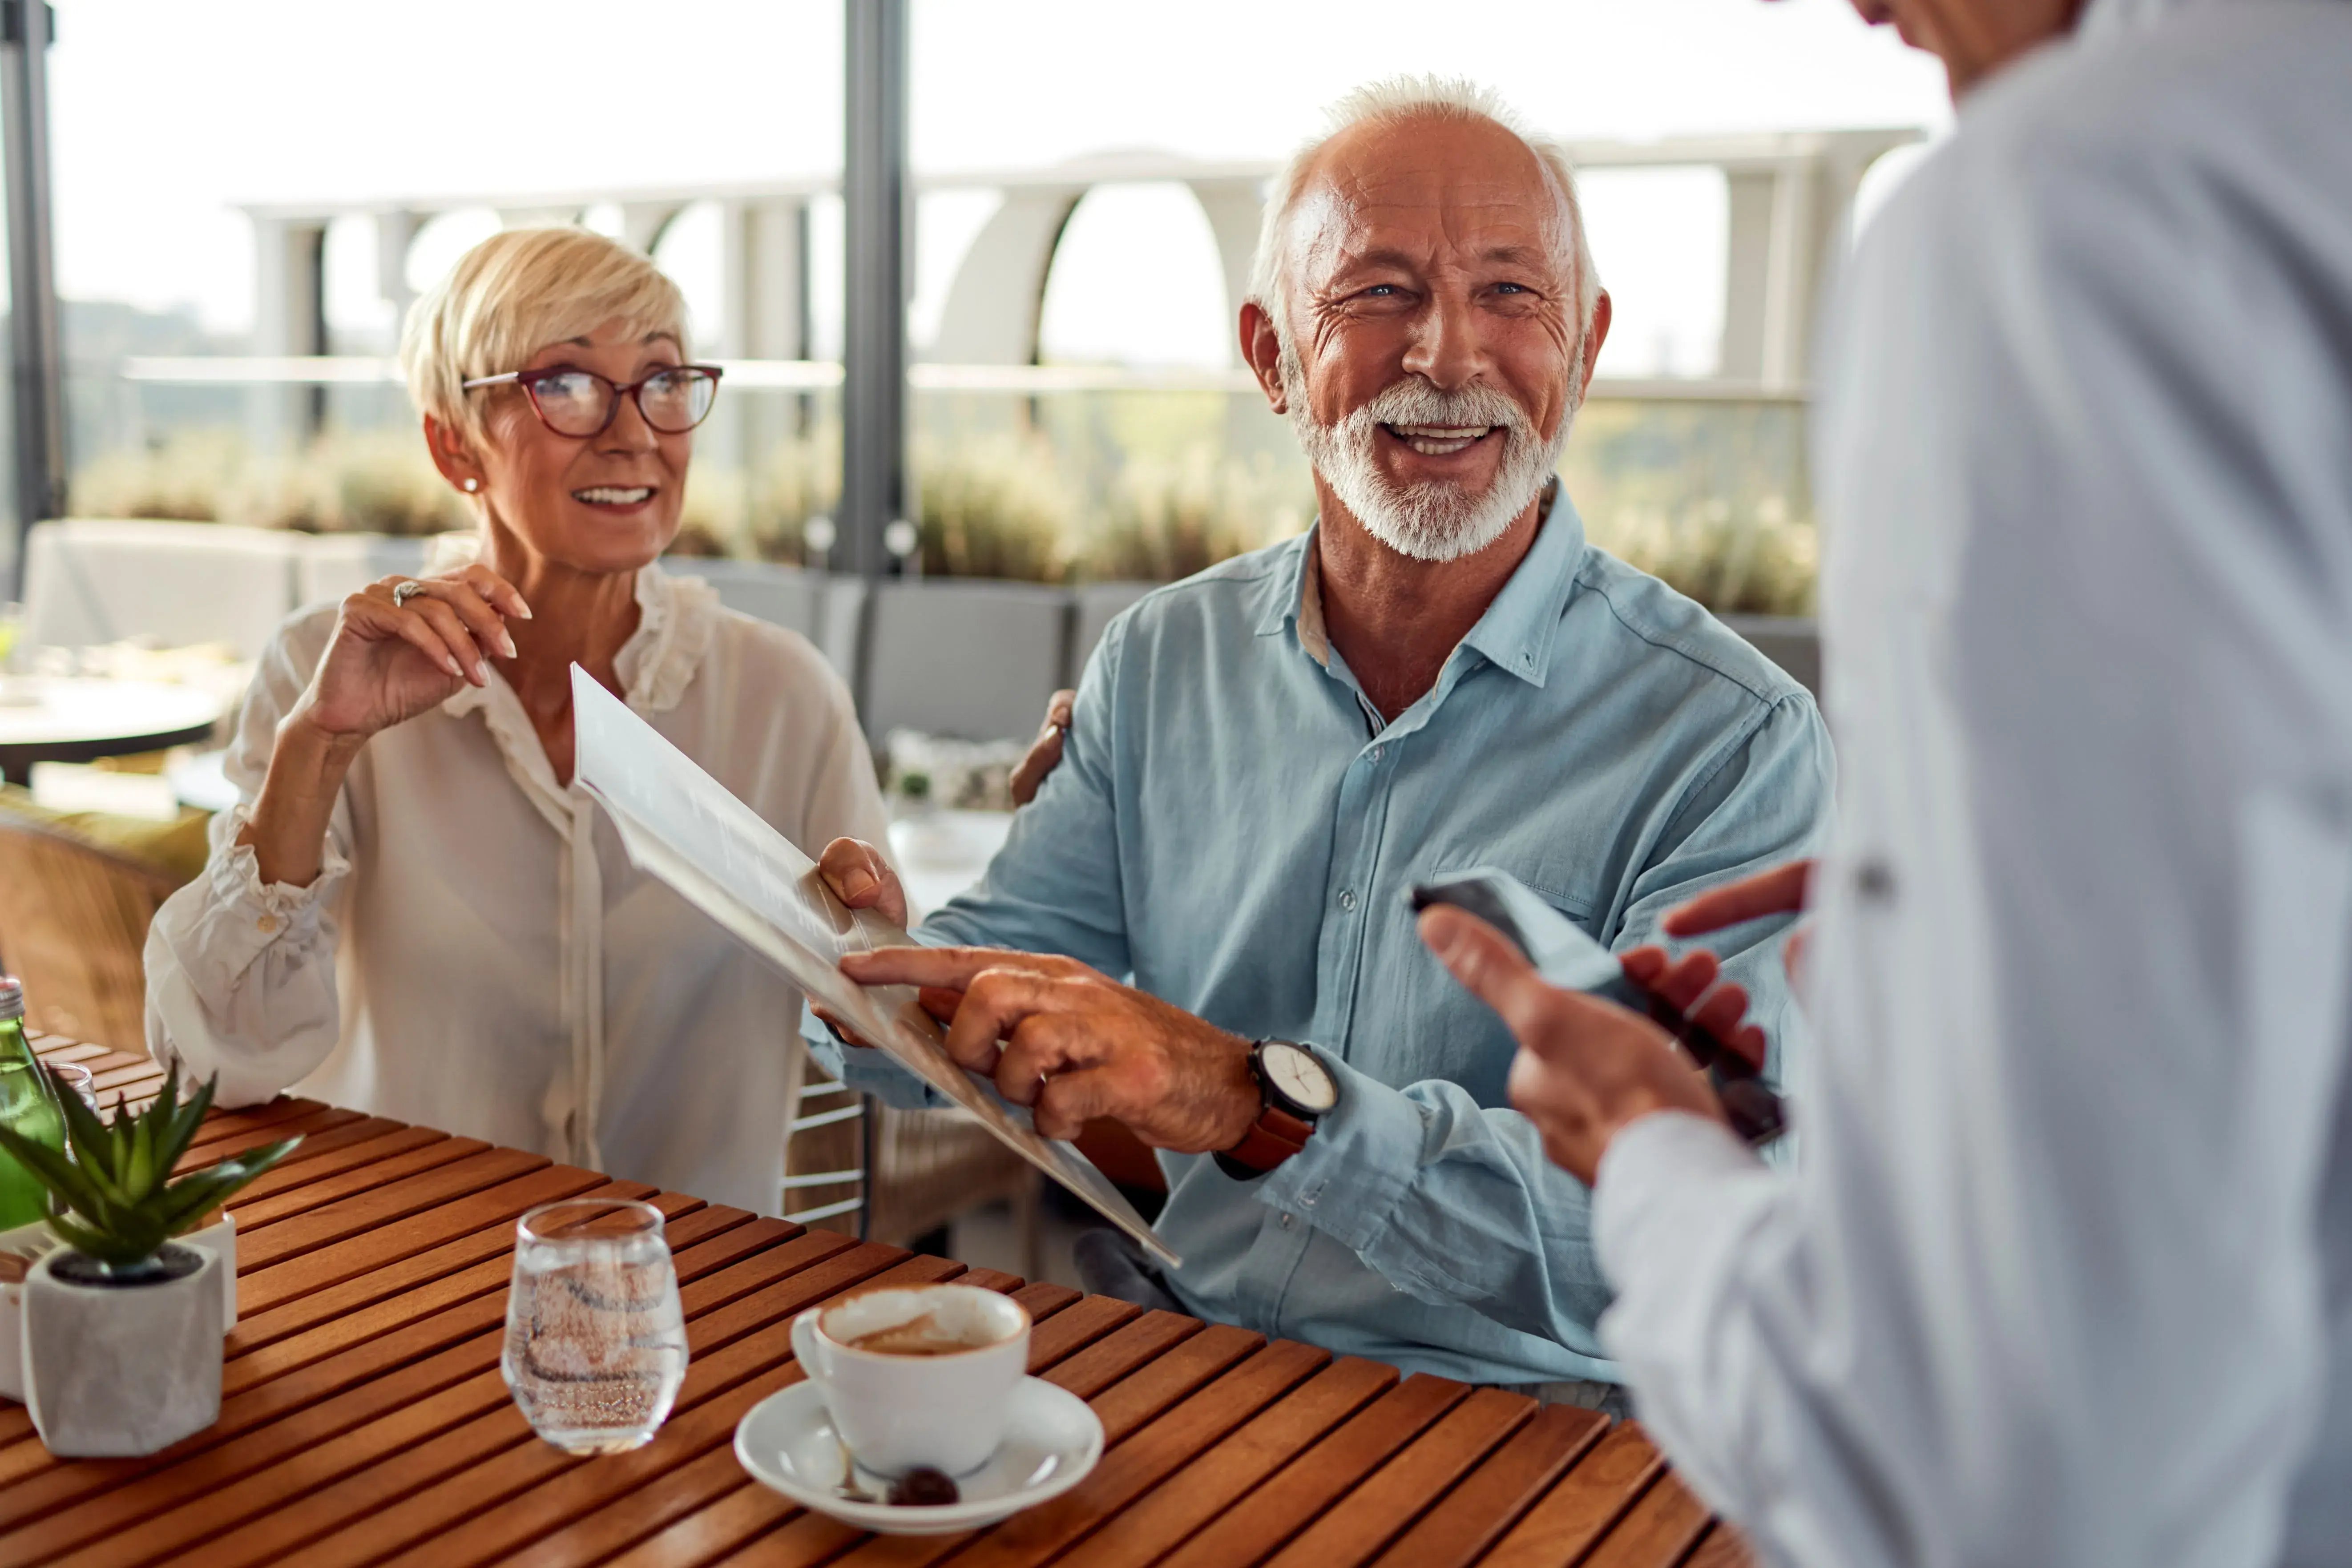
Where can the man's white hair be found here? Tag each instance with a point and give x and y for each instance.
(1389, 101)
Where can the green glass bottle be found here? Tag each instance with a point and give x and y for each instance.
(29, 1103)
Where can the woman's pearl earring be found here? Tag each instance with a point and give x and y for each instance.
(473, 485)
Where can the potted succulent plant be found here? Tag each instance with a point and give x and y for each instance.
(123, 1324)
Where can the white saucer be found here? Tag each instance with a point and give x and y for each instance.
(1051, 1441)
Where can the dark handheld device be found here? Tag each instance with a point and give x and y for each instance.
(1564, 955)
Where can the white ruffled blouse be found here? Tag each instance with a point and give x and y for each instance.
(478, 955)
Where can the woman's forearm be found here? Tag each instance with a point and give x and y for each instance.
(288, 827)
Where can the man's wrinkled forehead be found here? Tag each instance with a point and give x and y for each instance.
(1429, 191)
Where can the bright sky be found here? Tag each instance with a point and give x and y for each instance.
(167, 113)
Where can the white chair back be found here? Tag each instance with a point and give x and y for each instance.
(973, 661)
(336, 565)
(95, 581)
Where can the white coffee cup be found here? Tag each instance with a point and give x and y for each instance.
(899, 1412)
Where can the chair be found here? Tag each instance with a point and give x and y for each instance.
(90, 582)
(73, 927)
(333, 566)
(842, 624)
(1791, 642)
(1098, 603)
(926, 1168)
(976, 661)
(781, 596)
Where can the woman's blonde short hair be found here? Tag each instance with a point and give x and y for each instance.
(514, 294)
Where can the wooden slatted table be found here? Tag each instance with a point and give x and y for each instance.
(363, 1419)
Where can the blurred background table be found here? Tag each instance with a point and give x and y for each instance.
(78, 719)
(364, 1419)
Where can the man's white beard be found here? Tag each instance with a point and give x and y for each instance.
(1436, 519)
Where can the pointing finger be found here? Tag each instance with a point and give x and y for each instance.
(949, 968)
(1779, 892)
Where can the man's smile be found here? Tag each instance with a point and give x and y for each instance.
(1440, 440)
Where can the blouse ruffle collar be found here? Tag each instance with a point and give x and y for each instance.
(676, 619)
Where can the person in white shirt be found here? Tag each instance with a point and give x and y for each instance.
(414, 911)
(2064, 1274)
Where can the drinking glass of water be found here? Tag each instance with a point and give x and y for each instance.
(595, 1337)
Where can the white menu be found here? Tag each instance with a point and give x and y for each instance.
(681, 825)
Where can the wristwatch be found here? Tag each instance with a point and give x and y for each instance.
(1295, 1091)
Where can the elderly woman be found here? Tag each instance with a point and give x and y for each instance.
(414, 910)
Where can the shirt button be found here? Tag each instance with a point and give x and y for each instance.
(1287, 1219)
(1378, 751)
(1346, 898)
(266, 924)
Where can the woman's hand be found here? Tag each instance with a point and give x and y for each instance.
(386, 664)
(389, 662)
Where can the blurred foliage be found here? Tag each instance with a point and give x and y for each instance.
(1710, 496)
(346, 482)
(994, 506)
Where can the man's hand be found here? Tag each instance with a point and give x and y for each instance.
(1062, 1039)
(1781, 890)
(1045, 752)
(1587, 1069)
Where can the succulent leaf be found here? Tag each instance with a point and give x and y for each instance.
(118, 1184)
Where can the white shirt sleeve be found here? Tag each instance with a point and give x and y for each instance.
(2054, 1282)
(240, 973)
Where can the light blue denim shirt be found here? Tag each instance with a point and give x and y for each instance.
(1234, 827)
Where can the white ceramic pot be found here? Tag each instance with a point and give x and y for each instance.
(29, 1241)
(115, 1370)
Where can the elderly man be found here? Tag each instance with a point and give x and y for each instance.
(2066, 1276)
(1440, 674)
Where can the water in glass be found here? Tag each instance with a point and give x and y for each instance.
(595, 1338)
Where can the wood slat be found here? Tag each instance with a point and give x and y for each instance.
(343, 1217)
(1299, 1495)
(1723, 1547)
(224, 1124)
(309, 1127)
(1657, 1532)
(1584, 1504)
(491, 1242)
(1394, 1496)
(262, 1286)
(340, 1437)
(369, 1151)
(1149, 1457)
(388, 1157)
(1066, 1323)
(1214, 1482)
(1476, 1512)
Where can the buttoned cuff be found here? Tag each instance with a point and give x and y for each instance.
(869, 1070)
(1664, 1159)
(1363, 1155)
(270, 911)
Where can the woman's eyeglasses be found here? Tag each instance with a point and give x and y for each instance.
(581, 404)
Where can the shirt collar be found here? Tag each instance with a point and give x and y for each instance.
(1520, 627)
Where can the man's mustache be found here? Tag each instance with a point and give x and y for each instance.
(1412, 401)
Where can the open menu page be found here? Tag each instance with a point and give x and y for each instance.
(681, 825)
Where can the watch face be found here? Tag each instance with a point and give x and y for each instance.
(1294, 1072)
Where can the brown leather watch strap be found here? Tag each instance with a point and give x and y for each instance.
(1273, 1138)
